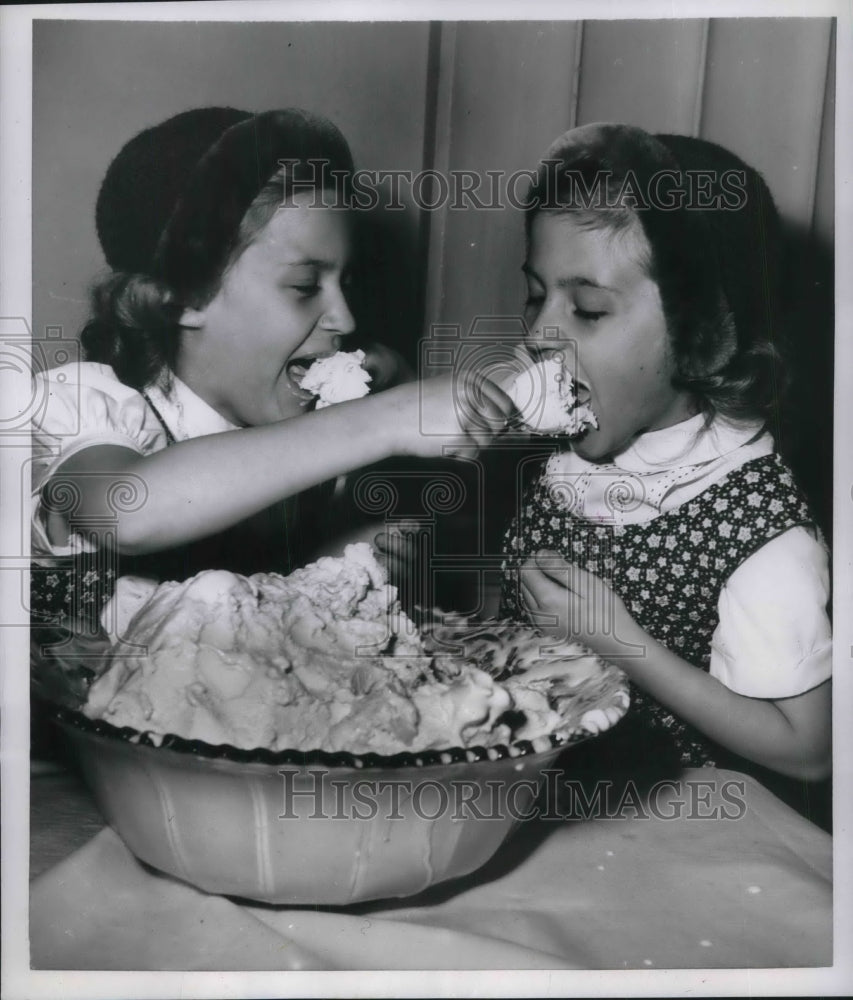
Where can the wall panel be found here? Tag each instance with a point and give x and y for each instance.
(764, 94)
(645, 73)
(824, 202)
(98, 83)
(479, 96)
(507, 94)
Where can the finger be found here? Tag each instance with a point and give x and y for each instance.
(399, 530)
(486, 405)
(580, 581)
(528, 598)
(463, 451)
(552, 570)
(383, 540)
(549, 560)
(390, 544)
(545, 619)
(382, 543)
(545, 591)
(386, 366)
(558, 568)
(401, 548)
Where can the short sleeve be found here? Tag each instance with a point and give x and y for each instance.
(83, 405)
(774, 638)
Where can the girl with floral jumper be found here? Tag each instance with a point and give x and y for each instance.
(671, 538)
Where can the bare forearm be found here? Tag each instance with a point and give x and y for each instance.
(790, 736)
(204, 485)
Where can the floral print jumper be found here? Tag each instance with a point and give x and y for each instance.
(668, 571)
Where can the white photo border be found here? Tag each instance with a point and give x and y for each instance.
(15, 287)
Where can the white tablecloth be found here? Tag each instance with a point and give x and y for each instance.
(638, 891)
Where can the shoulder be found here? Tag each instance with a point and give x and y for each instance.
(753, 503)
(76, 382)
(796, 559)
(84, 404)
(81, 397)
(85, 375)
(774, 638)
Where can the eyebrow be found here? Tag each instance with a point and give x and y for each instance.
(570, 282)
(308, 262)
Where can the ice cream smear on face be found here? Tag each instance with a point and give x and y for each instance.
(337, 378)
(544, 395)
(321, 659)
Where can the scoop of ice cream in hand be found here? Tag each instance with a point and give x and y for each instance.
(545, 398)
(337, 378)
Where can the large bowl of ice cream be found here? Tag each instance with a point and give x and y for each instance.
(298, 740)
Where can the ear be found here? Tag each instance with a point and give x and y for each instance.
(193, 318)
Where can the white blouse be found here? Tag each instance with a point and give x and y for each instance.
(86, 405)
(774, 638)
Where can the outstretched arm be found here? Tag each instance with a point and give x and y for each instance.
(201, 486)
(790, 735)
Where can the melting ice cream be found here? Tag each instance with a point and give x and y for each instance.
(321, 659)
(337, 378)
(545, 397)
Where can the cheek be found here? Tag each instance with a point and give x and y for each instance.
(642, 356)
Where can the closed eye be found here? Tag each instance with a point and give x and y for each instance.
(585, 314)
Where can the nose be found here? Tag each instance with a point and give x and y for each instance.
(547, 339)
(337, 317)
(545, 333)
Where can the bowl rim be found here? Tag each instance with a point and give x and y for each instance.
(326, 758)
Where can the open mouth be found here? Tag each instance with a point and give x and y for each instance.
(296, 370)
(550, 401)
(583, 393)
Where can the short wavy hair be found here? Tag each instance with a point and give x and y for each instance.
(714, 256)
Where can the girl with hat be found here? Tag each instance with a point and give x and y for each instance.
(229, 240)
(669, 536)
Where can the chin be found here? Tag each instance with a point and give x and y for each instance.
(287, 406)
(592, 446)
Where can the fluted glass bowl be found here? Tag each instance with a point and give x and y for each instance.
(320, 828)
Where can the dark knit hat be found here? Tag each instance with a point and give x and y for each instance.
(172, 200)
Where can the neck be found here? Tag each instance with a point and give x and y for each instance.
(192, 369)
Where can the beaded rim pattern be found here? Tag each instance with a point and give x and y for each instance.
(261, 755)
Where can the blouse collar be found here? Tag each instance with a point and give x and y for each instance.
(185, 412)
(689, 442)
